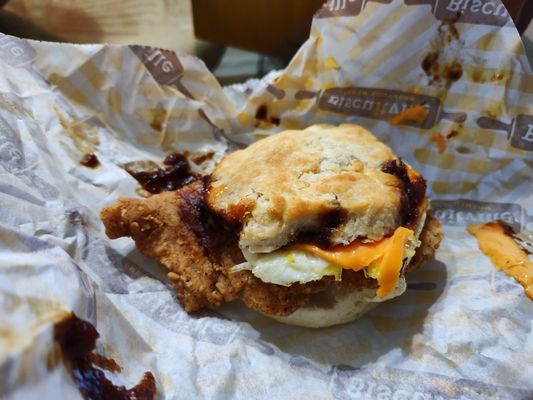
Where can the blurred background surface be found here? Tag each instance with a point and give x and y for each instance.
(237, 39)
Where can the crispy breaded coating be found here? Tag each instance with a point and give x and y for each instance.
(281, 301)
(157, 225)
(278, 300)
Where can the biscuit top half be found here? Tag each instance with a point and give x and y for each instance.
(321, 179)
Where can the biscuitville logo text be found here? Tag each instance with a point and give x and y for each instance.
(14, 159)
(484, 12)
(16, 52)
(383, 104)
(384, 383)
(163, 65)
(349, 383)
(519, 130)
(341, 8)
(462, 212)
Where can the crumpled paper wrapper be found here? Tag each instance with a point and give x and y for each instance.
(462, 330)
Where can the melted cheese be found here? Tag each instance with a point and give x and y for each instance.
(354, 256)
(358, 255)
(504, 253)
(417, 113)
(391, 265)
(440, 140)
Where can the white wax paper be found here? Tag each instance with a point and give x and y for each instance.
(462, 330)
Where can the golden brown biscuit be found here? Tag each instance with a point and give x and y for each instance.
(296, 180)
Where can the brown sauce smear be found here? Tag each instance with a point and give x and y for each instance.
(262, 114)
(430, 63)
(158, 117)
(215, 234)
(477, 76)
(452, 134)
(77, 340)
(89, 160)
(105, 363)
(449, 72)
(193, 212)
(452, 72)
(275, 120)
(412, 193)
(201, 158)
(329, 224)
(433, 66)
(453, 33)
(176, 175)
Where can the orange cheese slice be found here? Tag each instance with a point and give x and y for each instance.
(417, 113)
(358, 255)
(391, 265)
(504, 253)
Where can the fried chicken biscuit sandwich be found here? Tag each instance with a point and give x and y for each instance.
(312, 227)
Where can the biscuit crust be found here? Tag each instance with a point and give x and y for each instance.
(291, 182)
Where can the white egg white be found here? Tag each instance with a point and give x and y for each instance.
(286, 267)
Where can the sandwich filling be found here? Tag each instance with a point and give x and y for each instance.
(382, 260)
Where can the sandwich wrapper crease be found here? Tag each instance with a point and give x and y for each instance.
(462, 330)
